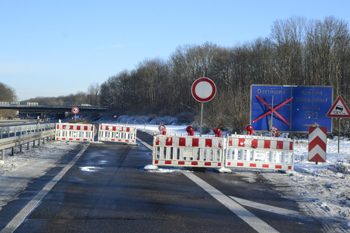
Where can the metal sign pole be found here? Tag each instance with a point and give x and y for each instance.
(338, 132)
(201, 119)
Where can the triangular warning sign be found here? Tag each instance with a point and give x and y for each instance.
(339, 109)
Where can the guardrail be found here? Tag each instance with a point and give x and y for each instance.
(18, 135)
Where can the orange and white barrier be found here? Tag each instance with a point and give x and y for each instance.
(117, 133)
(259, 152)
(74, 132)
(187, 151)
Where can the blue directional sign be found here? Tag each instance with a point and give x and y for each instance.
(290, 108)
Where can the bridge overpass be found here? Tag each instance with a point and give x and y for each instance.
(43, 110)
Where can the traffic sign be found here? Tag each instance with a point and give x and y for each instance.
(161, 128)
(75, 110)
(317, 144)
(203, 90)
(338, 109)
(289, 108)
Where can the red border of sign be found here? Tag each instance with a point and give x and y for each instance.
(76, 109)
(333, 106)
(193, 88)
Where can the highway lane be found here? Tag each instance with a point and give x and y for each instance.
(107, 190)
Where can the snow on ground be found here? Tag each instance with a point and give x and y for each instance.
(18, 170)
(321, 190)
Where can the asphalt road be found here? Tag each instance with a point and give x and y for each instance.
(107, 190)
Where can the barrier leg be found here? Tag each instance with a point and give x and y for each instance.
(3, 154)
(33, 143)
(13, 151)
(20, 147)
(39, 142)
(27, 145)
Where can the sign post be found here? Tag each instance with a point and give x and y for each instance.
(338, 109)
(75, 111)
(203, 90)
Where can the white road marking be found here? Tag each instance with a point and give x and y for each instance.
(145, 144)
(23, 214)
(256, 223)
(264, 207)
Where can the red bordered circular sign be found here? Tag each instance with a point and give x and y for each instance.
(75, 110)
(162, 128)
(203, 89)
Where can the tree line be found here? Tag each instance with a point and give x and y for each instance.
(7, 94)
(297, 52)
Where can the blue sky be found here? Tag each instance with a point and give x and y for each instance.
(53, 48)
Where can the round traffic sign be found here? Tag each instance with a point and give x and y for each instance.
(203, 89)
(161, 128)
(75, 110)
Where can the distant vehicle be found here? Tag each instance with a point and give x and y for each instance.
(10, 118)
(85, 105)
(15, 103)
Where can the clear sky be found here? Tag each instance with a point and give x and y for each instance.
(60, 47)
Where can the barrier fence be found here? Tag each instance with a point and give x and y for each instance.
(187, 151)
(74, 132)
(259, 152)
(117, 133)
(238, 151)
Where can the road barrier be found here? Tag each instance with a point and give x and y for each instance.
(185, 151)
(75, 132)
(117, 133)
(259, 152)
(18, 135)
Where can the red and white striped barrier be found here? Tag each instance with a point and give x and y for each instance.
(317, 144)
(259, 152)
(117, 133)
(74, 132)
(187, 151)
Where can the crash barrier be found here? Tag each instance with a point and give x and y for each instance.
(18, 135)
(259, 152)
(74, 132)
(117, 133)
(187, 151)
(12, 131)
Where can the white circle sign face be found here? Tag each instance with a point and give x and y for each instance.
(203, 89)
(161, 128)
(75, 110)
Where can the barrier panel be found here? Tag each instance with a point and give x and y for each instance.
(75, 132)
(187, 151)
(117, 133)
(259, 152)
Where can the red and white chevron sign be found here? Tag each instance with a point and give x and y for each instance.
(317, 144)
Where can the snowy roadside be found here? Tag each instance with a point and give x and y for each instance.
(18, 170)
(321, 191)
